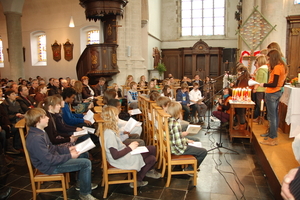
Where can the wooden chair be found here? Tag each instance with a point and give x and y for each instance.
(169, 159)
(108, 169)
(36, 176)
(149, 123)
(156, 137)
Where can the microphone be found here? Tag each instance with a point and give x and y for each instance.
(213, 81)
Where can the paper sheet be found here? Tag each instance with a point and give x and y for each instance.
(138, 150)
(85, 145)
(89, 116)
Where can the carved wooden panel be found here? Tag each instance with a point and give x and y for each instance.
(98, 60)
(199, 59)
(293, 48)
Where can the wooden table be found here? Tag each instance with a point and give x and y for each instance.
(247, 133)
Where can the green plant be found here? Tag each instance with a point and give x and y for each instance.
(161, 68)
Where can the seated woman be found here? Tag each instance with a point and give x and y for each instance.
(118, 154)
(79, 104)
(178, 141)
(14, 113)
(87, 90)
(41, 93)
(52, 105)
(223, 110)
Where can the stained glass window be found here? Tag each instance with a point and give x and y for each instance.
(1, 51)
(93, 37)
(42, 53)
(202, 17)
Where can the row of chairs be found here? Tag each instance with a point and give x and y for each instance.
(156, 132)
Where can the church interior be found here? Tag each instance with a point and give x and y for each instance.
(55, 38)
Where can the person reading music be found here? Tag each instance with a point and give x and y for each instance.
(118, 154)
(178, 141)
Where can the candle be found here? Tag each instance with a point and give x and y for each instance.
(298, 77)
(262, 105)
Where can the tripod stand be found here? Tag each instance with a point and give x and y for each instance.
(220, 144)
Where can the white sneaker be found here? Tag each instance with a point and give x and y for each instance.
(153, 174)
(87, 197)
(93, 186)
(139, 184)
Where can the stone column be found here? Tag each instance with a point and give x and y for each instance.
(274, 11)
(13, 13)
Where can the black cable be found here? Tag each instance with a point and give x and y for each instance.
(221, 172)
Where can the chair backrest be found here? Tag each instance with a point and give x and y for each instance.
(149, 119)
(163, 128)
(23, 133)
(100, 132)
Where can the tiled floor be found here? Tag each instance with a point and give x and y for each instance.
(224, 175)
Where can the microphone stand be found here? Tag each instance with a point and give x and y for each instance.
(220, 144)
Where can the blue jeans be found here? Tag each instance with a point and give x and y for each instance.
(84, 166)
(258, 97)
(272, 100)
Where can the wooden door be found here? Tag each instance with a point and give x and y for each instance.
(293, 47)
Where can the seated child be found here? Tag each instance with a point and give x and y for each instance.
(183, 96)
(70, 118)
(178, 142)
(223, 110)
(196, 103)
(52, 159)
(132, 96)
(127, 137)
(118, 154)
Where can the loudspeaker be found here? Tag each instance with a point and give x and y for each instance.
(229, 55)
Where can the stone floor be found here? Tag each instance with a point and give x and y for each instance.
(223, 175)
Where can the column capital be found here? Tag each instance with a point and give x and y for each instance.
(12, 6)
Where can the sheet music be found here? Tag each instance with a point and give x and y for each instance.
(196, 144)
(135, 111)
(131, 123)
(89, 116)
(138, 150)
(80, 133)
(85, 145)
(89, 129)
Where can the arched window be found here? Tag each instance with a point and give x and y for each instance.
(202, 17)
(93, 37)
(90, 35)
(38, 45)
(42, 48)
(1, 54)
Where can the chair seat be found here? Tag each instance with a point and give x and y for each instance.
(182, 157)
(112, 169)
